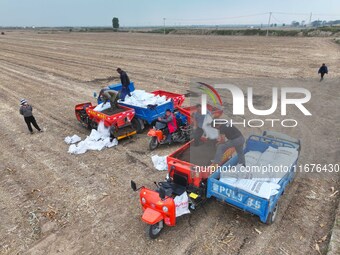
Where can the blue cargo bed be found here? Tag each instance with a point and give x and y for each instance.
(266, 209)
(143, 115)
(149, 115)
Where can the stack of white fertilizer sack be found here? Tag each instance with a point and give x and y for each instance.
(97, 140)
(282, 158)
(143, 99)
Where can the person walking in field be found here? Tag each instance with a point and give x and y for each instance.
(124, 79)
(26, 111)
(322, 71)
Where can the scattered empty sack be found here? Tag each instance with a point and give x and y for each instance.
(159, 162)
(97, 140)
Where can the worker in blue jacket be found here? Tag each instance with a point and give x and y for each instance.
(323, 70)
(124, 79)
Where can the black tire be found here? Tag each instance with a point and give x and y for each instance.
(272, 215)
(84, 119)
(155, 229)
(153, 144)
(137, 125)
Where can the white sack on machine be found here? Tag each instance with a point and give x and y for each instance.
(97, 140)
(143, 99)
(182, 204)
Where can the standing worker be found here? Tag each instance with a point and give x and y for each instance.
(323, 70)
(235, 139)
(26, 111)
(124, 79)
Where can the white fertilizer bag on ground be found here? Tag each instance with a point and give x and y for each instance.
(159, 162)
(97, 140)
(143, 99)
(72, 139)
(182, 204)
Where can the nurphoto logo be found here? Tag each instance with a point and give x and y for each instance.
(239, 104)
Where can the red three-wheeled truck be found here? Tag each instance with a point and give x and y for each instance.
(158, 204)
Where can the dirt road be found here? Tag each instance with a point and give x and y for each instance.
(55, 203)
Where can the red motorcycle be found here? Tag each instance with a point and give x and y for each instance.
(158, 135)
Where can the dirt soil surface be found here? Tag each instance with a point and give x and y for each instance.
(52, 202)
(111, 111)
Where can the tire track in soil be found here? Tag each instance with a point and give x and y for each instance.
(184, 69)
(61, 123)
(61, 156)
(54, 184)
(205, 69)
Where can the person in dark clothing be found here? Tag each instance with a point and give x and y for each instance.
(124, 79)
(26, 111)
(235, 139)
(322, 71)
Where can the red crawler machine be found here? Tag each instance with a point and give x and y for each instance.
(121, 119)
